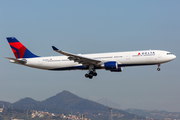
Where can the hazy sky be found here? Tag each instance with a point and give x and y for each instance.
(93, 27)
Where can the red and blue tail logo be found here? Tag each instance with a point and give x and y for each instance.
(19, 50)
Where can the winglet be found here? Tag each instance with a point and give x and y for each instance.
(54, 48)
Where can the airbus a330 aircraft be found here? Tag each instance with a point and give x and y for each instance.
(113, 62)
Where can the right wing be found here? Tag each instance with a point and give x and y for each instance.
(79, 58)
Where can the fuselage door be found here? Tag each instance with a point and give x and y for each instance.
(40, 61)
(159, 55)
(127, 57)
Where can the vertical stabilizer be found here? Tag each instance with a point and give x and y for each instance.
(19, 50)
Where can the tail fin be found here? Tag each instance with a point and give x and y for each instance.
(19, 50)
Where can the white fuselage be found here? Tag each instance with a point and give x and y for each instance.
(132, 58)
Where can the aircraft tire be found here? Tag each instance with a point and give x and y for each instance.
(94, 74)
(86, 75)
(90, 76)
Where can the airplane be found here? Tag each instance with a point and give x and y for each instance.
(114, 61)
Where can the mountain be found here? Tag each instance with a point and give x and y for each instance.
(28, 103)
(5, 104)
(70, 101)
(64, 99)
(66, 102)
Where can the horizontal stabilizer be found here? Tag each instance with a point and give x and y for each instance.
(18, 61)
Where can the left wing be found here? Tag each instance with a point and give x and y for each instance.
(79, 58)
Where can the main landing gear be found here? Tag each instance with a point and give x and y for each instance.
(158, 69)
(91, 72)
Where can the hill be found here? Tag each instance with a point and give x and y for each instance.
(66, 102)
(5, 104)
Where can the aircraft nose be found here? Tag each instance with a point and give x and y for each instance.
(174, 56)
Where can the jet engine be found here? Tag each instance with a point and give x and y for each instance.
(112, 66)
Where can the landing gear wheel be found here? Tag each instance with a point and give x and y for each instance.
(90, 76)
(86, 75)
(94, 74)
(158, 69)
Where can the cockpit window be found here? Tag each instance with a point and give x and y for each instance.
(169, 53)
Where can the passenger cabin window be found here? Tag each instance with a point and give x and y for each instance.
(169, 53)
(117, 56)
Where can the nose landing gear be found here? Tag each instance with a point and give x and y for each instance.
(158, 69)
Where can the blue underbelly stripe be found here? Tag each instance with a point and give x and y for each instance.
(83, 68)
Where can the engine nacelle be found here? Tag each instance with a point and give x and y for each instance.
(120, 69)
(112, 65)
